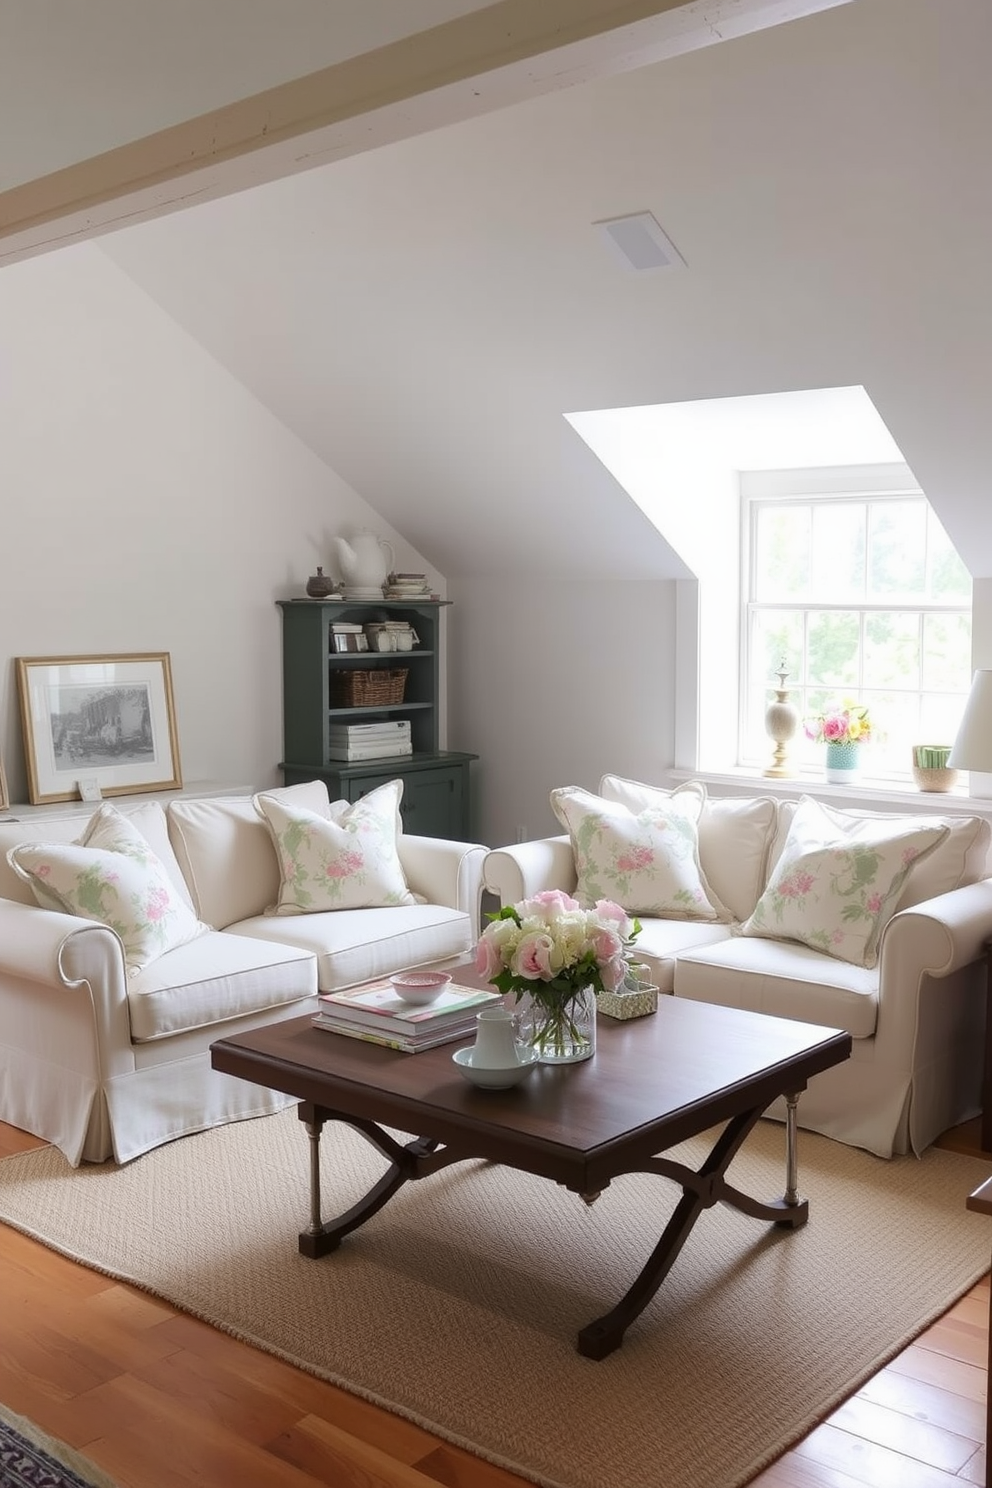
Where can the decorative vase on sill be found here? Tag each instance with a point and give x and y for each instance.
(843, 763)
(781, 723)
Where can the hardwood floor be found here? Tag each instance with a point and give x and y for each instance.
(161, 1400)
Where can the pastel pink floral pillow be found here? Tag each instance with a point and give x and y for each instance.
(647, 861)
(346, 860)
(111, 875)
(835, 892)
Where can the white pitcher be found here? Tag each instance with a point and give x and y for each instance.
(365, 561)
(495, 1039)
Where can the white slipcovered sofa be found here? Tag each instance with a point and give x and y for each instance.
(101, 1060)
(745, 921)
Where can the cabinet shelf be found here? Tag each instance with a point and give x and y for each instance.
(364, 710)
(435, 781)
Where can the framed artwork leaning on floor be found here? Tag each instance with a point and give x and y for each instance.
(108, 720)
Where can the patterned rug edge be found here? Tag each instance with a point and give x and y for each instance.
(30, 1456)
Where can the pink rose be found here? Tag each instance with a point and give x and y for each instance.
(487, 959)
(606, 944)
(613, 973)
(617, 917)
(532, 958)
(547, 905)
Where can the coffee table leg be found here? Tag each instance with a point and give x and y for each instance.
(791, 1195)
(414, 1160)
(700, 1190)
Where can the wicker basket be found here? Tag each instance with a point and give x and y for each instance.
(372, 689)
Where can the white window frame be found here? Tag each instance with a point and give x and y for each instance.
(764, 488)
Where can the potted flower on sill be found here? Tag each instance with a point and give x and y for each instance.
(550, 949)
(844, 729)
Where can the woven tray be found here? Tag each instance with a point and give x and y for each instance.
(375, 688)
(633, 1004)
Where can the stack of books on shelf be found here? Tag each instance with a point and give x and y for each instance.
(378, 1015)
(346, 636)
(369, 741)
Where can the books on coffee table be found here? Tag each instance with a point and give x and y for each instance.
(377, 1013)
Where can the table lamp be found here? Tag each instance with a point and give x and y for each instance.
(973, 746)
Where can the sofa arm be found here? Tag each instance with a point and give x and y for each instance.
(939, 936)
(525, 868)
(81, 962)
(444, 872)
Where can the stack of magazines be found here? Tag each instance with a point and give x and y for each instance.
(377, 1014)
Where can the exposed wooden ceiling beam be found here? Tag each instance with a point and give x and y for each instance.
(487, 59)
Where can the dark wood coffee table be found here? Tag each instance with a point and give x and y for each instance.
(652, 1083)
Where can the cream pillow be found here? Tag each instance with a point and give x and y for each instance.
(647, 861)
(345, 860)
(112, 876)
(835, 890)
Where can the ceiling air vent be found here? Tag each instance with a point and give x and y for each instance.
(639, 243)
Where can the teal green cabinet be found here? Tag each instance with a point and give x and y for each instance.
(318, 694)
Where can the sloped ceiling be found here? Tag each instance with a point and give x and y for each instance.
(424, 314)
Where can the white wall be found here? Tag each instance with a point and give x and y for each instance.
(554, 684)
(151, 503)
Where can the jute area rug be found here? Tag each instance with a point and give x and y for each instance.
(458, 1304)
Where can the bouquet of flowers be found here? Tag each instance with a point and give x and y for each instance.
(552, 949)
(847, 723)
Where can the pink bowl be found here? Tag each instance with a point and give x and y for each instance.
(419, 987)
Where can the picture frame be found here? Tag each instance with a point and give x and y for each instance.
(105, 720)
(4, 798)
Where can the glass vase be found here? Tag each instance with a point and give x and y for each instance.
(842, 763)
(565, 1032)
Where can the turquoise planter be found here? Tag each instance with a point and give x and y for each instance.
(843, 763)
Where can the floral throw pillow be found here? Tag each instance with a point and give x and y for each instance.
(345, 860)
(111, 875)
(836, 892)
(646, 861)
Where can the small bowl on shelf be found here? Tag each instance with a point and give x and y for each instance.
(490, 1077)
(420, 987)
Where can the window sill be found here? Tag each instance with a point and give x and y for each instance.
(881, 795)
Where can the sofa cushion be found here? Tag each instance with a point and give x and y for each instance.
(355, 945)
(836, 889)
(214, 979)
(112, 876)
(646, 861)
(961, 858)
(344, 860)
(637, 796)
(661, 942)
(783, 979)
(225, 851)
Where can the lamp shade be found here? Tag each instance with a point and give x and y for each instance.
(973, 746)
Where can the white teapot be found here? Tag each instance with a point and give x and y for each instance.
(365, 560)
